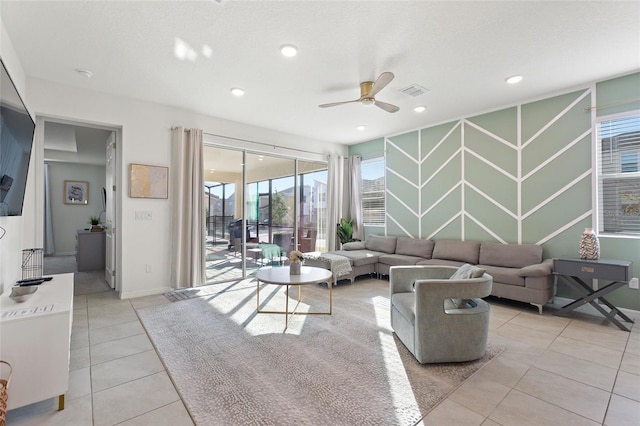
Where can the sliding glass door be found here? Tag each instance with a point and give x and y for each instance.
(223, 213)
(259, 208)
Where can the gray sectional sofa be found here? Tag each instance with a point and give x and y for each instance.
(519, 271)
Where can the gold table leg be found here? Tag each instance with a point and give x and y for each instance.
(286, 311)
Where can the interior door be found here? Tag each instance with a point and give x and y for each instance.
(110, 213)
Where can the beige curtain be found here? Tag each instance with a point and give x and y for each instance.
(337, 201)
(187, 213)
(355, 200)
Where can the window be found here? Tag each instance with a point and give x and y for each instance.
(372, 172)
(619, 174)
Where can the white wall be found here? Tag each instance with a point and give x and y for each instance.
(68, 218)
(145, 139)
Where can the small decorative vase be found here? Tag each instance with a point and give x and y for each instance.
(589, 245)
(294, 268)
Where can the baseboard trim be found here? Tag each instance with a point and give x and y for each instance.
(143, 293)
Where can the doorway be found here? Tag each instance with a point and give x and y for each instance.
(82, 156)
(260, 207)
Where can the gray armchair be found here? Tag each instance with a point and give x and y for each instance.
(438, 319)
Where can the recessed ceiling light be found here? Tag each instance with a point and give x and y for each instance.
(288, 50)
(420, 108)
(237, 91)
(207, 50)
(361, 127)
(84, 73)
(514, 79)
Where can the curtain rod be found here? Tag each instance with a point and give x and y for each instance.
(258, 143)
(265, 144)
(611, 104)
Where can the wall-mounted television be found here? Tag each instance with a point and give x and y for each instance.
(16, 140)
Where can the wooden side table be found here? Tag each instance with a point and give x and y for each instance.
(572, 271)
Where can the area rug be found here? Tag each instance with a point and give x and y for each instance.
(234, 366)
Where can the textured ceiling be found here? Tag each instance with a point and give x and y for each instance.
(460, 51)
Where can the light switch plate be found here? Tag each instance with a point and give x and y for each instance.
(633, 283)
(143, 215)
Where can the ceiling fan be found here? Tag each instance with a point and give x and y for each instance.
(368, 91)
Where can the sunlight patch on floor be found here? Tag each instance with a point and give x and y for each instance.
(391, 356)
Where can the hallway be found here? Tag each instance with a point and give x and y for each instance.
(87, 282)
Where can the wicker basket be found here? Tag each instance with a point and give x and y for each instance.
(4, 388)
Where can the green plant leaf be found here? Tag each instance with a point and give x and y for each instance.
(345, 230)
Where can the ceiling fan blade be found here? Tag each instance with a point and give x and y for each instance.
(387, 107)
(382, 81)
(338, 103)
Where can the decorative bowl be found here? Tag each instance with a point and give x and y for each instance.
(22, 293)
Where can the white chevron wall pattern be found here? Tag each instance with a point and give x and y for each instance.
(519, 175)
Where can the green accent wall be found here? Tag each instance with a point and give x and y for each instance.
(368, 150)
(523, 174)
(618, 95)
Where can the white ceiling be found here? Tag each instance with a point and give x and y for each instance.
(461, 51)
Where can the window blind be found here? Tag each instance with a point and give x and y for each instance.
(372, 175)
(619, 175)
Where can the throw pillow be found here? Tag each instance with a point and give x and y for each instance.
(477, 272)
(464, 272)
(467, 271)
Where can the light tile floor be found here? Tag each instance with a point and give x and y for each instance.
(554, 370)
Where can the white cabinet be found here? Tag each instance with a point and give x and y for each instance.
(35, 338)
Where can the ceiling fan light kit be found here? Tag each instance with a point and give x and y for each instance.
(367, 101)
(368, 91)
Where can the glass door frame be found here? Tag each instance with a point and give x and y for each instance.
(296, 189)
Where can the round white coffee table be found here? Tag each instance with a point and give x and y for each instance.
(281, 276)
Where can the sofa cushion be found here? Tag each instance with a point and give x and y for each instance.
(510, 255)
(441, 262)
(354, 245)
(463, 251)
(504, 275)
(414, 247)
(398, 259)
(360, 257)
(380, 243)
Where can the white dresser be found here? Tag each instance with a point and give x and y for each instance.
(35, 338)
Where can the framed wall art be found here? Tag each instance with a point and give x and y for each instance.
(76, 192)
(148, 181)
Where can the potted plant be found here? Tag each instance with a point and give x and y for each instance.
(95, 224)
(345, 231)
